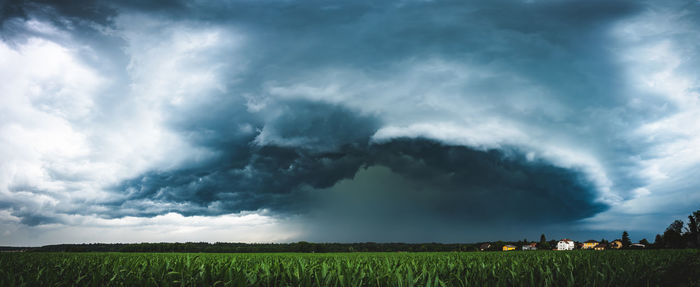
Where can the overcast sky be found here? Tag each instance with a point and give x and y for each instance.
(343, 121)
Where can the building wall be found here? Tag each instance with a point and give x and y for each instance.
(616, 244)
(589, 245)
(565, 246)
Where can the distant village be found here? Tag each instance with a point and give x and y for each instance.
(677, 235)
(566, 244)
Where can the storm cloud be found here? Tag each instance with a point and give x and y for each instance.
(483, 185)
(371, 121)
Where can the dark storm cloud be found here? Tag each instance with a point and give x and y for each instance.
(307, 144)
(381, 204)
(563, 45)
(420, 190)
(496, 184)
(311, 144)
(72, 15)
(332, 144)
(90, 10)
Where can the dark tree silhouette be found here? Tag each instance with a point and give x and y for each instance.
(543, 244)
(659, 241)
(626, 242)
(693, 232)
(672, 236)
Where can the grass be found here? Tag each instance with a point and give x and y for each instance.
(531, 268)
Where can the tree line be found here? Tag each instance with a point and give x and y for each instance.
(225, 247)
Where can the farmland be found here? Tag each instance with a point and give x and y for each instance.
(535, 268)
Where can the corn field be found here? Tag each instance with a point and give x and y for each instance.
(535, 268)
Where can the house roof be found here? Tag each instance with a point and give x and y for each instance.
(566, 240)
(513, 246)
(601, 245)
(591, 241)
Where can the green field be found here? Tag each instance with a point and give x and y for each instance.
(533, 268)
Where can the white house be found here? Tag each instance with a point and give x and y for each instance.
(531, 246)
(565, 244)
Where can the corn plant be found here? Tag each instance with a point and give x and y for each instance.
(534, 268)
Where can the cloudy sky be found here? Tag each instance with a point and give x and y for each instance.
(412, 121)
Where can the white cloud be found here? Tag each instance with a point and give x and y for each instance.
(483, 135)
(174, 64)
(658, 50)
(49, 91)
(69, 130)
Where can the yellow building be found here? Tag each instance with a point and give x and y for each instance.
(590, 244)
(508, 247)
(600, 246)
(617, 244)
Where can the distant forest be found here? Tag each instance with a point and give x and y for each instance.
(677, 235)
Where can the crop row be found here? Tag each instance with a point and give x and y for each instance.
(622, 268)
